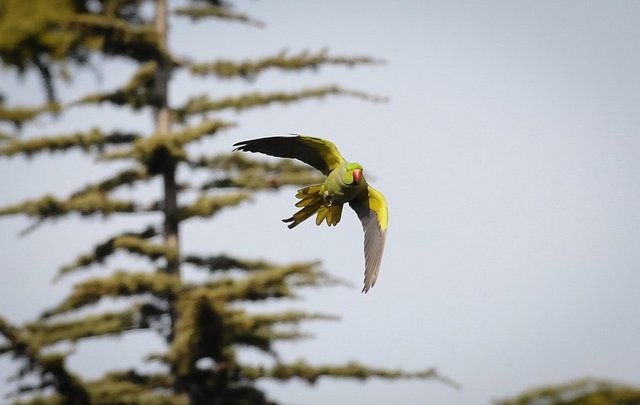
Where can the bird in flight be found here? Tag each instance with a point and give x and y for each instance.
(345, 183)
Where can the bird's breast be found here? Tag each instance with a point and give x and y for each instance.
(339, 192)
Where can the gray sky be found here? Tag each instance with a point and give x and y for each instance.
(509, 158)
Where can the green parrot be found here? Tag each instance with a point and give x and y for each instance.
(345, 183)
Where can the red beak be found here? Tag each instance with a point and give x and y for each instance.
(357, 175)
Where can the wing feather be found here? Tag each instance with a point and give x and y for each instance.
(316, 152)
(371, 208)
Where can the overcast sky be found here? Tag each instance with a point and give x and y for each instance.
(509, 157)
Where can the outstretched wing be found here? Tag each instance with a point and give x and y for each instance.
(371, 208)
(319, 153)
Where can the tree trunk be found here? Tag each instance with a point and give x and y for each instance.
(170, 188)
(163, 128)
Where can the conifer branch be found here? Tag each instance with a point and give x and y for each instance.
(115, 36)
(22, 388)
(4, 137)
(260, 330)
(20, 115)
(34, 43)
(291, 317)
(201, 319)
(39, 35)
(207, 206)
(133, 242)
(138, 92)
(203, 104)
(85, 140)
(264, 338)
(197, 13)
(195, 132)
(230, 162)
(44, 333)
(85, 204)
(250, 69)
(241, 171)
(258, 179)
(151, 381)
(311, 374)
(118, 285)
(225, 263)
(131, 393)
(162, 150)
(51, 366)
(278, 282)
(203, 315)
(126, 177)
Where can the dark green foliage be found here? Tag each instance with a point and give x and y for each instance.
(586, 391)
(204, 323)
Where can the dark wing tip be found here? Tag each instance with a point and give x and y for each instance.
(261, 145)
(292, 147)
(240, 145)
(266, 138)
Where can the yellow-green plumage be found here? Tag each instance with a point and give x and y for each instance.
(345, 183)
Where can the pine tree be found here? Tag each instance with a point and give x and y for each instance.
(206, 320)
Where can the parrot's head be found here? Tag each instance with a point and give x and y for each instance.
(353, 173)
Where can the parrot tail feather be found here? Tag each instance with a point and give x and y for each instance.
(312, 201)
(304, 213)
